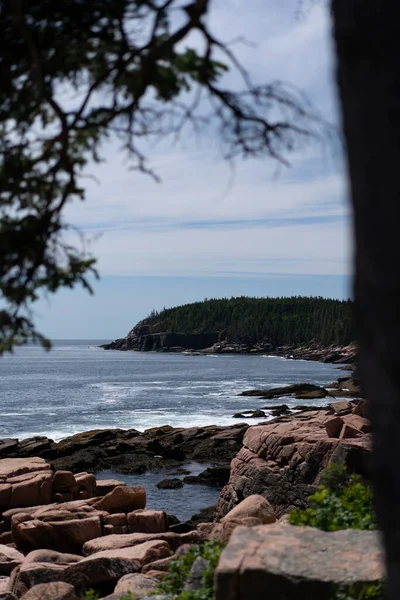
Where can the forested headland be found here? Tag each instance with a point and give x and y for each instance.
(268, 322)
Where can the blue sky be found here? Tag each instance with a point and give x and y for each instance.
(208, 229)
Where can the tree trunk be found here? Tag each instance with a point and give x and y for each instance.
(368, 55)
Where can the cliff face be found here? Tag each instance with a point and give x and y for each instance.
(146, 338)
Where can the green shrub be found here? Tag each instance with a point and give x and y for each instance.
(173, 584)
(342, 501)
(361, 591)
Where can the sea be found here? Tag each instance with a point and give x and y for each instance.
(78, 386)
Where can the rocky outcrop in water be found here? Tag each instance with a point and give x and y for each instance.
(132, 451)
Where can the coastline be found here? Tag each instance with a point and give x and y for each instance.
(313, 352)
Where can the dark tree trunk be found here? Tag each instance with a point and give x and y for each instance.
(368, 54)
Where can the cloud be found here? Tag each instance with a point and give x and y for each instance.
(208, 218)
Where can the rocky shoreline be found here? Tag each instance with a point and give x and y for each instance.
(59, 525)
(63, 531)
(140, 338)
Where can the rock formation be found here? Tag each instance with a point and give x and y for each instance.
(283, 459)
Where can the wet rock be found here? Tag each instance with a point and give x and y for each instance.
(191, 479)
(180, 471)
(170, 484)
(204, 516)
(8, 445)
(213, 476)
(132, 451)
(288, 390)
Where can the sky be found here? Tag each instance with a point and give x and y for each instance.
(210, 228)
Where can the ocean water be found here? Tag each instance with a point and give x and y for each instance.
(78, 386)
(182, 502)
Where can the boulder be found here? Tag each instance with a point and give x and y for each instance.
(123, 499)
(8, 445)
(11, 467)
(136, 584)
(4, 582)
(64, 481)
(341, 406)
(221, 532)
(194, 581)
(34, 573)
(253, 506)
(56, 590)
(29, 489)
(111, 565)
(333, 426)
(64, 536)
(106, 486)
(160, 565)
(51, 556)
(295, 562)
(115, 529)
(348, 432)
(87, 484)
(115, 542)
(358, 422)
(116, 519)
(9, 559)
(100, 569)
(147, 521)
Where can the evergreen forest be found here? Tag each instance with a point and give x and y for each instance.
(278, 321)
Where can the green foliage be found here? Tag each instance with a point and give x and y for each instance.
(77, 72)
(93, 595)
(342, 501)
(361, 591)
(277, 321)
(173, 584)
(90, 595)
